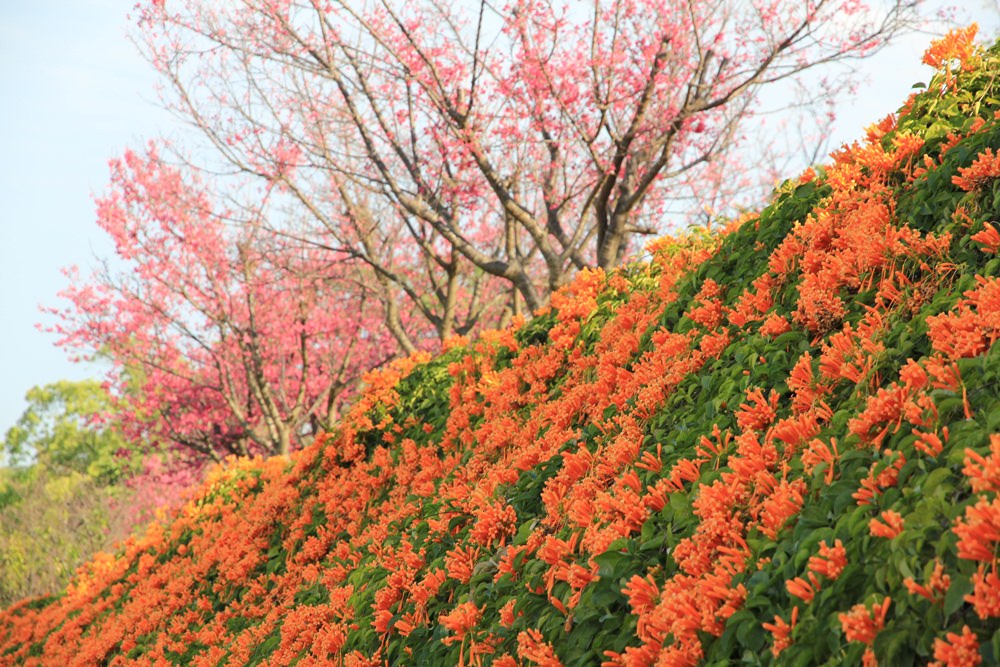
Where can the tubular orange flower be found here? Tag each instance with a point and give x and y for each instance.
(459, 563)
(983, 169)
(861, 625)
(758, 412)
(928, 443)
(782, 632)
(984, 472)
(712, 344)
(973, 326)
(495, 523)
(979, 530)
(985, 596)
(830, 561)
(781, 505)
(774, 326)
(936, 586)
(685, 470)
(460, 620)
(531, 646)
(989, 238)
(802, 589)
(709, 312)
(642, 592)
(651, 462)
(708, 449)
(819, 452)
(889, 524)
(957, 650)
(507, 613)
(794, 431)
(800, 381)
(958, 44)
(875, 483)
(913, 375)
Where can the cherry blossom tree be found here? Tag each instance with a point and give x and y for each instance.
(223, 340)
(371, 177)
(472, 156)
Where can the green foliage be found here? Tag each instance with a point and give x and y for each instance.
(62, 498)
(50, 525)
(62, 430)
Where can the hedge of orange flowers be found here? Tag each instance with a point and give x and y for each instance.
(775, 444)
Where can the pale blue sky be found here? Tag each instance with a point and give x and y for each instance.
(75, 93)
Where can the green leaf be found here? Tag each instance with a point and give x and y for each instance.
(961, 586)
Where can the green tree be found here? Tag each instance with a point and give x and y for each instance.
(62, 487)
(50, 524)
(64, 429)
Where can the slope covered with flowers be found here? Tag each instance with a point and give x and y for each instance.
(773, 445)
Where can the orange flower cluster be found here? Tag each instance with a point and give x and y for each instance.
(862, 624)
(460, 620)
(984, 471)
(958, 650)
(531, 646)
(982, 171)
(830, 561)
(888, 525)
(958, 44)
(989, 237)
(937, 584)
(782, 632)
(974, 325)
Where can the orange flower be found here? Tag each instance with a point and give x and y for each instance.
(774, 325)
(685, 470)
(709, 312)
(989, 237)
(782, 632)
(983, 169)
(758, 412)
(958, 650)
(459, 563)
(494, 523)
(830, 561)
(819, 452)
(796, 430)
(805, 590)
(883, 409)
(642, 592)
(712, 344)
(862, 625)
(928, 443)
(936, 586)
(507, 613)
(956, 45)
(531, 646)
(875, 483)
(979, 531)
(889, 524)
(984, 472)
(460, 620)
(985, 596)
(780, 505)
